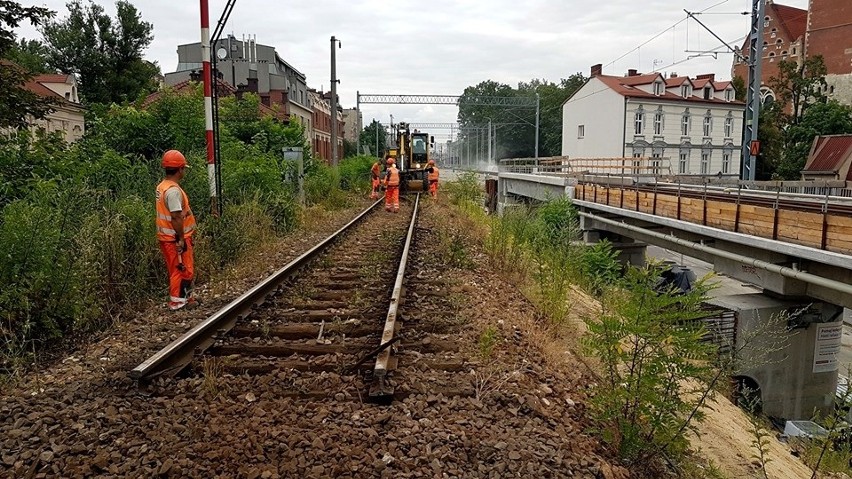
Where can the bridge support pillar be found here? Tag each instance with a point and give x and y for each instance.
(630, 251)
(788, 352)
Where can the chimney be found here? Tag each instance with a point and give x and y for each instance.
(597, 70)
(706, 76)
(241, 90)
(195, 76)
(252, 85)
(673, 75)
(632, 72)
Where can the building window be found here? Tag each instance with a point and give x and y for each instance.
(638, 121)
(658, 88)
(729, 94)
(683, 163)
(581, 131)
(684, 123)
(729, 126)
(705, 163)
(707, 93)
(658, 122)
(726, 162)
(708, 124)
(684, 91)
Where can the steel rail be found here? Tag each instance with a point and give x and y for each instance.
(380, 387)
(180, 352)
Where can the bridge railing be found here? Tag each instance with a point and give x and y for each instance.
(562, 165)
(658, 170)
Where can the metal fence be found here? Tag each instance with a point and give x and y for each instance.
(658, 170)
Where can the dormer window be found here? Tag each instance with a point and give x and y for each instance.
(707, 93)
(684, 91)
(658, 88)
(729, 94)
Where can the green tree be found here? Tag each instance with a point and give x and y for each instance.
(515, 127)
(31, 55)
(771, 136)
(552, 96)
(829, 118)
(740, 89)
(350, 148)
(799, 86)
(370, 134)
(17, 103)
(106, 53)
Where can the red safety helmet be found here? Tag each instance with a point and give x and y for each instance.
(174, 159)
(391, 161)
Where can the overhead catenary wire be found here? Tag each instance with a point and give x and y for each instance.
(658, 35)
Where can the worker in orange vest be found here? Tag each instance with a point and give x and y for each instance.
(375, 171)
(391, 187)
(432, 170)
(175, 226)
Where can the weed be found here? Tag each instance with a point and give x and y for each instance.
(491, 380)
(454, 249)
(760, 436)
(212, 368)
(465, 190)
(487, 340)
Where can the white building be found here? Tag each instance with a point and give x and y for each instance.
(694, 123)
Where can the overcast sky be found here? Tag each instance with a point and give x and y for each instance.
(442, 46)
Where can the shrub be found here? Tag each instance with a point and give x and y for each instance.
(228, 238)
(322, 187)
(355, 173)
(599, 266)
(465, 190)
(653, 365)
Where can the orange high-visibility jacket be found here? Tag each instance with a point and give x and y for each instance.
(392, 177)
(376, 170)
(165, 232)
(433, 175)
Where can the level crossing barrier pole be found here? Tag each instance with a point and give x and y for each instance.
(207, 78)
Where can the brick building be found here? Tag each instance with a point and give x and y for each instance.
(792, 34)
(321, 136)
(830, 35)
(784, 30)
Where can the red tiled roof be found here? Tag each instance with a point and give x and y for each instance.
(639, 79)
(677, 81)
(831, 153)
(617, 84)
(52, 78)
(700, 83)
(721, 85)
(793, 20)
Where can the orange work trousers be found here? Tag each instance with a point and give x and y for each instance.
(433, 189)
(180, 278)
(392, 198)
(374, 195)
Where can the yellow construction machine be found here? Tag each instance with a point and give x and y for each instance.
(411, 150)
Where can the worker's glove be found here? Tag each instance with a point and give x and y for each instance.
(181, 245)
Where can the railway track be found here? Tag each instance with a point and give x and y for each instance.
(329, 323)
